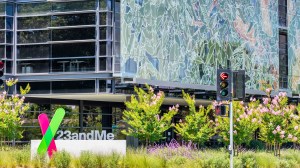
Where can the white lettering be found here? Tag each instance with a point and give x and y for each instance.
(110, 136)
(93, 135)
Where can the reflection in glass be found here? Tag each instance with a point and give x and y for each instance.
(2, 48)
(2, 8)
(74, 6)
(33, 22)
(105, 33)
(30, 51)
(73, 19)
(105, 48)
(9, 66)
(9, 51)
(37, 66)
(9, 23)
(9, 36)
(73, 65)
(2, 22)
(105, 63)
(39, 36)
(2, 36)
(73, 34)
(73, 50)
(33, 8)
(73, 86)
(102, 16)
(36, 87)
(9, 9)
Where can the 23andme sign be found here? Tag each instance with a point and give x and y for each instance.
(49, 130)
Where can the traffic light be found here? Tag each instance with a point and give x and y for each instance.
(224, 79)
(220, 110)
(1, 72)
(238, 85)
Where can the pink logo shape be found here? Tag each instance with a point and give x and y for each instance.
(44, 124)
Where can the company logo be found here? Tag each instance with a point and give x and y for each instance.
(49, 131)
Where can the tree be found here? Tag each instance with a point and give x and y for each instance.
(245, 123)
(144, 117)
(11, 109)
(197, 125)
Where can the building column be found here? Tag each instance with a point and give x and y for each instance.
(80, 115)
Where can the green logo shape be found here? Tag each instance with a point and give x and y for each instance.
(51, 131)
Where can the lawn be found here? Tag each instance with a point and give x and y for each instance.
(139, 158)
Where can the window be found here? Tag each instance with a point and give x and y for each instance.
(2, 8)
(36, 87)
(9, 9)
(2, 49)
(9, 49)
(73, 65)
(282, 12)
(105, 33)
(105, 48)
(9, 36)
(283, 61)
(40, 36)
(73, 50)
(73, 86)
(30, 51)
(2, 22)
(38, 66)
(74, 19)
(9, 66)
(73, 34)
(33, 22)
(74, 6)
(105, 63)
(9, 22)
(33, 8)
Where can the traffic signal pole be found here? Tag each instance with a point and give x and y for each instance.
(231, 151)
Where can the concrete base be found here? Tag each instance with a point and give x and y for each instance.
(75, 147)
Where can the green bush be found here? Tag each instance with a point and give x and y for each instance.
(22, 157)
(88, 160)
(40, 161)
(61, 159)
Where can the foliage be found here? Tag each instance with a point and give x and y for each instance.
(141, 158)
(144, 117)
(11, 109)
(61, 159)
(245, 120)
(197, 126)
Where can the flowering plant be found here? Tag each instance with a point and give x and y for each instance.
(11, 108)
(144, 117)
(197, 125)
(245, 121)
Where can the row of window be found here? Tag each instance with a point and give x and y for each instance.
(63, 65)
(82, 86)
(43, 36)
(46, 7)
(40, 22)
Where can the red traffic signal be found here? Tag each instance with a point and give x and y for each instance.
(224, 76)
(220, 110)
(1, 65)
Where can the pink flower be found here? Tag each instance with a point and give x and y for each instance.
(254, 120)
(180, 121)
(290, 136)
(265, 100)
(274, 101)
(241, 116)
(211, 121)
(282, 132)
(274, 132)
(241, 102)
(282, 136)
(278, 128)
(235, 132)
(238, 119)
(295, 139)
(177, 106)
(276, 98)
(296, 127)
(268, 90)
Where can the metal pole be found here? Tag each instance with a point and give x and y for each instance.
(231, 151)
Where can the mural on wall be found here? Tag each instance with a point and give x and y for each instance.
(186, 40)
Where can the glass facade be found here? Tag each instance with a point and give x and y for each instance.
(59, 37)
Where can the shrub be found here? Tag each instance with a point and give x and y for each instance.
(22, 157)
(87, 160)
(61, 159)
(39, 161)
